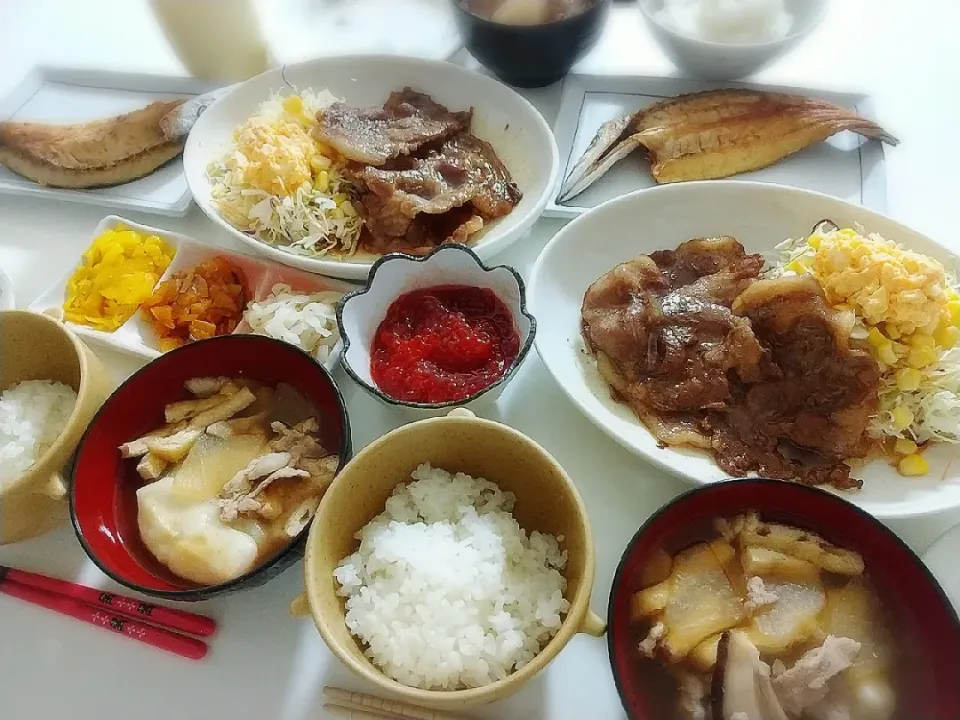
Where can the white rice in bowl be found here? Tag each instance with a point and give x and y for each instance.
(32, 416)
(447, 591)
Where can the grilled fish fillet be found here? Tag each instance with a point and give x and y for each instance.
(101, 153)
(716, 134)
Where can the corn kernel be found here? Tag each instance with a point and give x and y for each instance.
(348, 208)
(919, 340)
(320, 162)
(908, 379)
(913, 465)
(293, 104)
(887, 355)
(339, 198)
(902, 417)
(954, 308)
(905, 447)
(337, 214)
(797, 266)
(876, 338)
(814, 241)
(921, 357)
(947, 337)
(322, 181)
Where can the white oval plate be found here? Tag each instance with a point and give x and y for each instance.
(299, 30)
(760, 215)
(516, 130)
(941, 558)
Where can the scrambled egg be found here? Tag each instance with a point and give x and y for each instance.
(883, 282)
(273, 155)
(904, 298)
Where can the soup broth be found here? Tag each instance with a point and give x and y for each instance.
(749, 620)
(233, 475)
(526, 12)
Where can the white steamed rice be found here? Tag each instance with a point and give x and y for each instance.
(32, 415)
(446, 590)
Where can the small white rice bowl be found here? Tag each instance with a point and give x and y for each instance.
(33, 413)
(447, 591)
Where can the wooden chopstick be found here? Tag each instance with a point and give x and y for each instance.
(378, 708)
(352, 713)
(168, 618)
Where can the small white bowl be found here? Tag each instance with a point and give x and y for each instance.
(730, 61)
(361, 312)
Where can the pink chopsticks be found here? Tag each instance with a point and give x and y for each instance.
(114, 612)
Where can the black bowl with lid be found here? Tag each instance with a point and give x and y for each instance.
(531, 55)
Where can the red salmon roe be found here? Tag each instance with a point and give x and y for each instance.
(443, 344)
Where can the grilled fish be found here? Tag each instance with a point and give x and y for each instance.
(101, 153)
(716, 134)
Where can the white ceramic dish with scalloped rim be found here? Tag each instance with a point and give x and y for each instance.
(760, 215)
(361, 312)
(135, 336)
(518, 133)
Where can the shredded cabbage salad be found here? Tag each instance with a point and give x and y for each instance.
(933, 407)
(935, 404)
(279, 184)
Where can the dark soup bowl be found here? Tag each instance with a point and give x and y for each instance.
(531, 55)
(103, 501)
(924, 631)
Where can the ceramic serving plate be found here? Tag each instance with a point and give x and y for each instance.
(73, 95)
(844, 166)
(518, 133)
(760, 215)
(135, 336)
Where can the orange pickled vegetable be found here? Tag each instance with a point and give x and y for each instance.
(118, 271)
(197, 304)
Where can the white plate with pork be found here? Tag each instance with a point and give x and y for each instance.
(760, 216)
(399, 146)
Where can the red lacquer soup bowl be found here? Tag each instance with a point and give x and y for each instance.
(103, 504)
(924, 623)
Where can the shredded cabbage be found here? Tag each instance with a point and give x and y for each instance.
(934, 405)
(307, 217)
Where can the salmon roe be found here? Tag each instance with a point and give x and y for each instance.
(443, 344)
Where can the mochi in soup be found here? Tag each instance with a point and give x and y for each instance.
(234, 474)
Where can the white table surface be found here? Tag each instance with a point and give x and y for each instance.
(265, 664)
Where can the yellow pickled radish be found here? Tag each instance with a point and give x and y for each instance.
(118, 272)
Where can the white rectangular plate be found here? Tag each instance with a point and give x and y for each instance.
(136, 337)
(845, 166)
(60, 95)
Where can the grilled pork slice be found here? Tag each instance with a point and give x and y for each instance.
(95, 154)
(373, 136)
(445, 195)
